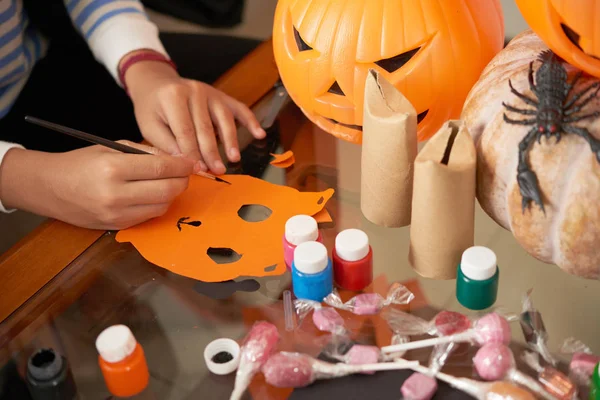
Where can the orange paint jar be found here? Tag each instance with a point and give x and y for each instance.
(122, 361)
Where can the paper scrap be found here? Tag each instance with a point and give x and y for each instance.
(206, 217)
(323, 216)
(389, 148)
(443, 207)
(283, 160)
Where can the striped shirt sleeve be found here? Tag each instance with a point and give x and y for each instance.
(4, 148)
(114, 28)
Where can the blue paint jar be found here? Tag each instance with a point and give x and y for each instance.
(312, 271)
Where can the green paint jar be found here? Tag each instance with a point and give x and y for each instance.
(595, 384)
(477, 278)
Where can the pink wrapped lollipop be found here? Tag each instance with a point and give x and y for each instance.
(326, 319)
(294, 370)
(357, 355)
(371, 303)
(491, 328)
(495, 361)
(257, 347)
(443, 324)
(582, 362)
(419, 386)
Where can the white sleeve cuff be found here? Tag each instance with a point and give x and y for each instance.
(4, 148)
(121, 35)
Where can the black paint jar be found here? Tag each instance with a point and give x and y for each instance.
(49, 377)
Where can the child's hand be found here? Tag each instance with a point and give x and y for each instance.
(93, 187)
(182, 116)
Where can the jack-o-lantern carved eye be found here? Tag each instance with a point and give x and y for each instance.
(395, 63)
(302, 46)
(336, 89)
(571, 35)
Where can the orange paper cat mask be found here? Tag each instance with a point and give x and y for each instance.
(206, 216)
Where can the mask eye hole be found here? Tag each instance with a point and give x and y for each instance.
(302, 46)
(394, 63)
(254, 212)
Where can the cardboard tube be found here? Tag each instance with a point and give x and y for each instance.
(443, 204)
(389, 148)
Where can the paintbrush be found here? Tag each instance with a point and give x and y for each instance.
(103, 142)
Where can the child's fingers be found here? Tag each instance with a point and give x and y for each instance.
(227, 131)
(245, 116)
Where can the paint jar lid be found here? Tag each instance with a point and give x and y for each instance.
(44, 364)
(352, 245)
(478, 263)
(115, 343)
(310, 257)
(300, 229)
(222, 356)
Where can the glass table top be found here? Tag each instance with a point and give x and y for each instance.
(174, 317)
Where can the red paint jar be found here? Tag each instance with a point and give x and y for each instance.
(352, 260)
(122, 361)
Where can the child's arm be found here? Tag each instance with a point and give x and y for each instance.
(177, 115)
(4, 148)
(114, 28)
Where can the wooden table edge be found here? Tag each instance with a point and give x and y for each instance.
(41, 255)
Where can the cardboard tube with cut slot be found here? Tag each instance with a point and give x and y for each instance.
(389, 148)
(443, 205)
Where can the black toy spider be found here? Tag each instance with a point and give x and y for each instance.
(554, 115)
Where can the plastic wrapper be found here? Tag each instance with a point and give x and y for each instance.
(582, 362)
(326, 319)
(294, 370)
(534, 330)
(555, 382)
(419, 386)
(444, 323)
(491, 328)
(371, 303)
(256, 349)
(357, 354)
(495, 362)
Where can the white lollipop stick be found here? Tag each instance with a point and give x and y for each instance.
(385, 366)
(345, 369)
(473, 388)
(491, 328)
(466, 336)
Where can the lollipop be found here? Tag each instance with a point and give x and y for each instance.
(294, 370)
(419, 386)
(481, 390)
(443, 324)
(491, 328)
(371, 303)
(258, 346)
(326, 319)
(582, 362)
(357, 355)
(495, 361)
(554, 381)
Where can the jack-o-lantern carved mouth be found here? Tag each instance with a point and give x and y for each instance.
(420, 117)
(575, 38)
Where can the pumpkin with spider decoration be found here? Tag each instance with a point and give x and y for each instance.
(535, 125)
(431, 50)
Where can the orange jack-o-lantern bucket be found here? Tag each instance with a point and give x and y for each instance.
(433, 51)
(571, 28)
